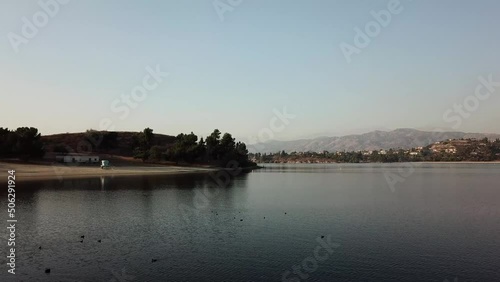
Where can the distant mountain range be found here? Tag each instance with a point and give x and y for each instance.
(400, 138)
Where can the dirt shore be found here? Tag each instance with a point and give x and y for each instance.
(465, 162)
(25, 172)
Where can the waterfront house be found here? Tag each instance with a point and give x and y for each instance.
(77, 158)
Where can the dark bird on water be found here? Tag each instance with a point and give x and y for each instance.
(83, 236)
(285, 213)
(241, 219)
(40, 247)
(99, 241)
(322, 236)
(81, 241)
(154, 260)
(47, 270)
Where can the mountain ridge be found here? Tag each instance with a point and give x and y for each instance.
(404, 138)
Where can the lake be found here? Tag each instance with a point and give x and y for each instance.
(303, 222)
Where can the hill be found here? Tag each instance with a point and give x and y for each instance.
(105, 142)
(403, 138)
(458, 150)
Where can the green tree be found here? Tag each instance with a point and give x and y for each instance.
(212, 143)
(28, 143)
(185, 148)
(156, 153)
(144, 141)
(147, 136)
(8, 140)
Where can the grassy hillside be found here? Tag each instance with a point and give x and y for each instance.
(104, 142)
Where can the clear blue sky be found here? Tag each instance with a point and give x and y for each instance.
(264, 55)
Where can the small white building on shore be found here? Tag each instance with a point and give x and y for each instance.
(77, 159)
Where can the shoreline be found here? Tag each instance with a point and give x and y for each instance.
(444, 162)
(464, 162)
(29, 172)
(56, 171)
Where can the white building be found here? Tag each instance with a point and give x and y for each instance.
(77, 159)
(452, 150)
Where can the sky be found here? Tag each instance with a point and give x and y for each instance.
(237, 65)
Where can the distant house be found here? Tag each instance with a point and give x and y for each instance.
(452, 150)
(74, 158)
(448, 148)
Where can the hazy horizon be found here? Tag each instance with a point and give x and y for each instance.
(310, 137)
(234, 67)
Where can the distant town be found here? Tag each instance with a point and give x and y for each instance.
(451, 150)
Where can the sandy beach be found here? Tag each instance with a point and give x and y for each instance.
(26, 172)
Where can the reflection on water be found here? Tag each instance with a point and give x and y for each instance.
(441, 222)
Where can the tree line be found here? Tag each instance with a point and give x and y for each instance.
(24, 143)
(187, 148)
(217, 149)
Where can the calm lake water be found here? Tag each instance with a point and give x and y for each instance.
(436, 222)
